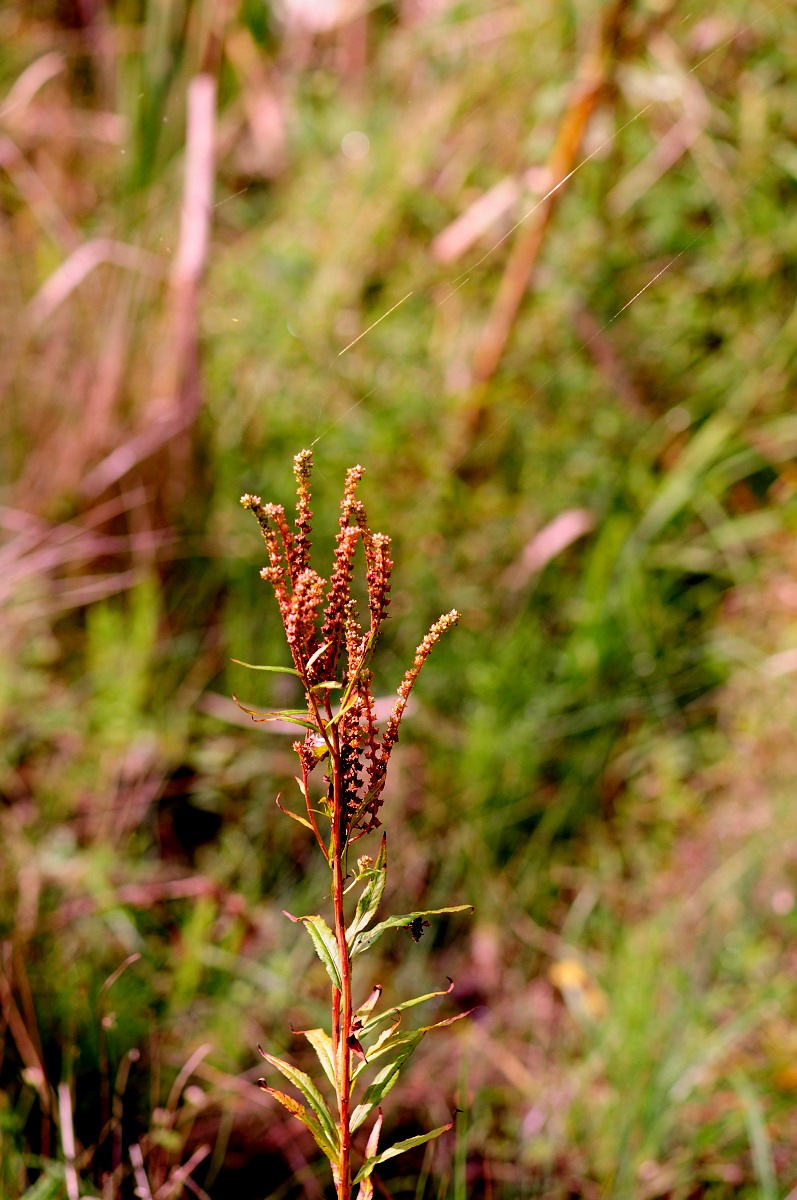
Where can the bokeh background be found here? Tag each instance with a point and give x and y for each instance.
(533, 264)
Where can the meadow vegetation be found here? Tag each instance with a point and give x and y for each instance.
(533, 266)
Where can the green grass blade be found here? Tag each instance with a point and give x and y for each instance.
(760, 1143)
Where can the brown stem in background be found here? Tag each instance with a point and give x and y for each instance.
(593, 77)
(192, 250)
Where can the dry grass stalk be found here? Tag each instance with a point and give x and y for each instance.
(593, 76)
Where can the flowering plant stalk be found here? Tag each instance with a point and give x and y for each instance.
(364, 1051)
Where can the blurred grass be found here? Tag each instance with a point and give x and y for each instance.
(600, 731)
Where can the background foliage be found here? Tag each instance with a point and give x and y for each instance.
(600, 757)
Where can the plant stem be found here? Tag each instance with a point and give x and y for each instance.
(342, 1002)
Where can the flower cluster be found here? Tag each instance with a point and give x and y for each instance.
(331, 650)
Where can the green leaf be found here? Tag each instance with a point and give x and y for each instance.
(329, 684)
(386, 1078)
(325, 945)
(293, 716)
(399, 1148)
(304, 1083)
(364, 940)
(275, 670)
(398, 1008)
(371, 895)
(296, 1109)
(390, 1039)
(321, 1042)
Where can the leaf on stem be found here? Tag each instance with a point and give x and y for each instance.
(399, 1148)
(390, 1039)
(323, 940)
(399, 1008)
(370, 1004)
(386, 1078)
(371, 896)
(298, 1110)
(275, 670)
(293, 716)
(366, 1191)
(295, 816)
(304, 1083)
(321, 1042)
(356, 1047)
(363, 941)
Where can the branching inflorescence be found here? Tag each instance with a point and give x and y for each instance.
(332, 650)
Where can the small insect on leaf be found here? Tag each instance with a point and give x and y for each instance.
(417, 927)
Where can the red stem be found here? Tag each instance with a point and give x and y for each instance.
(341, 1001)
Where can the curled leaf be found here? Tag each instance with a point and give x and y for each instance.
(355, 1047)
(370, 1004)
(295, 816)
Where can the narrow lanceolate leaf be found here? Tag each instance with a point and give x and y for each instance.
(310, 1092)
(291, 716)
(365, 939)
(366, 1191)
(385, 1079)
(371, 896)
(296, 1109)
(295, 816)
(390, 1039)
(321, 1042)
(389, 1042)
(276, 670)
(399, 1148)
(405, 1004)
(325, 945)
